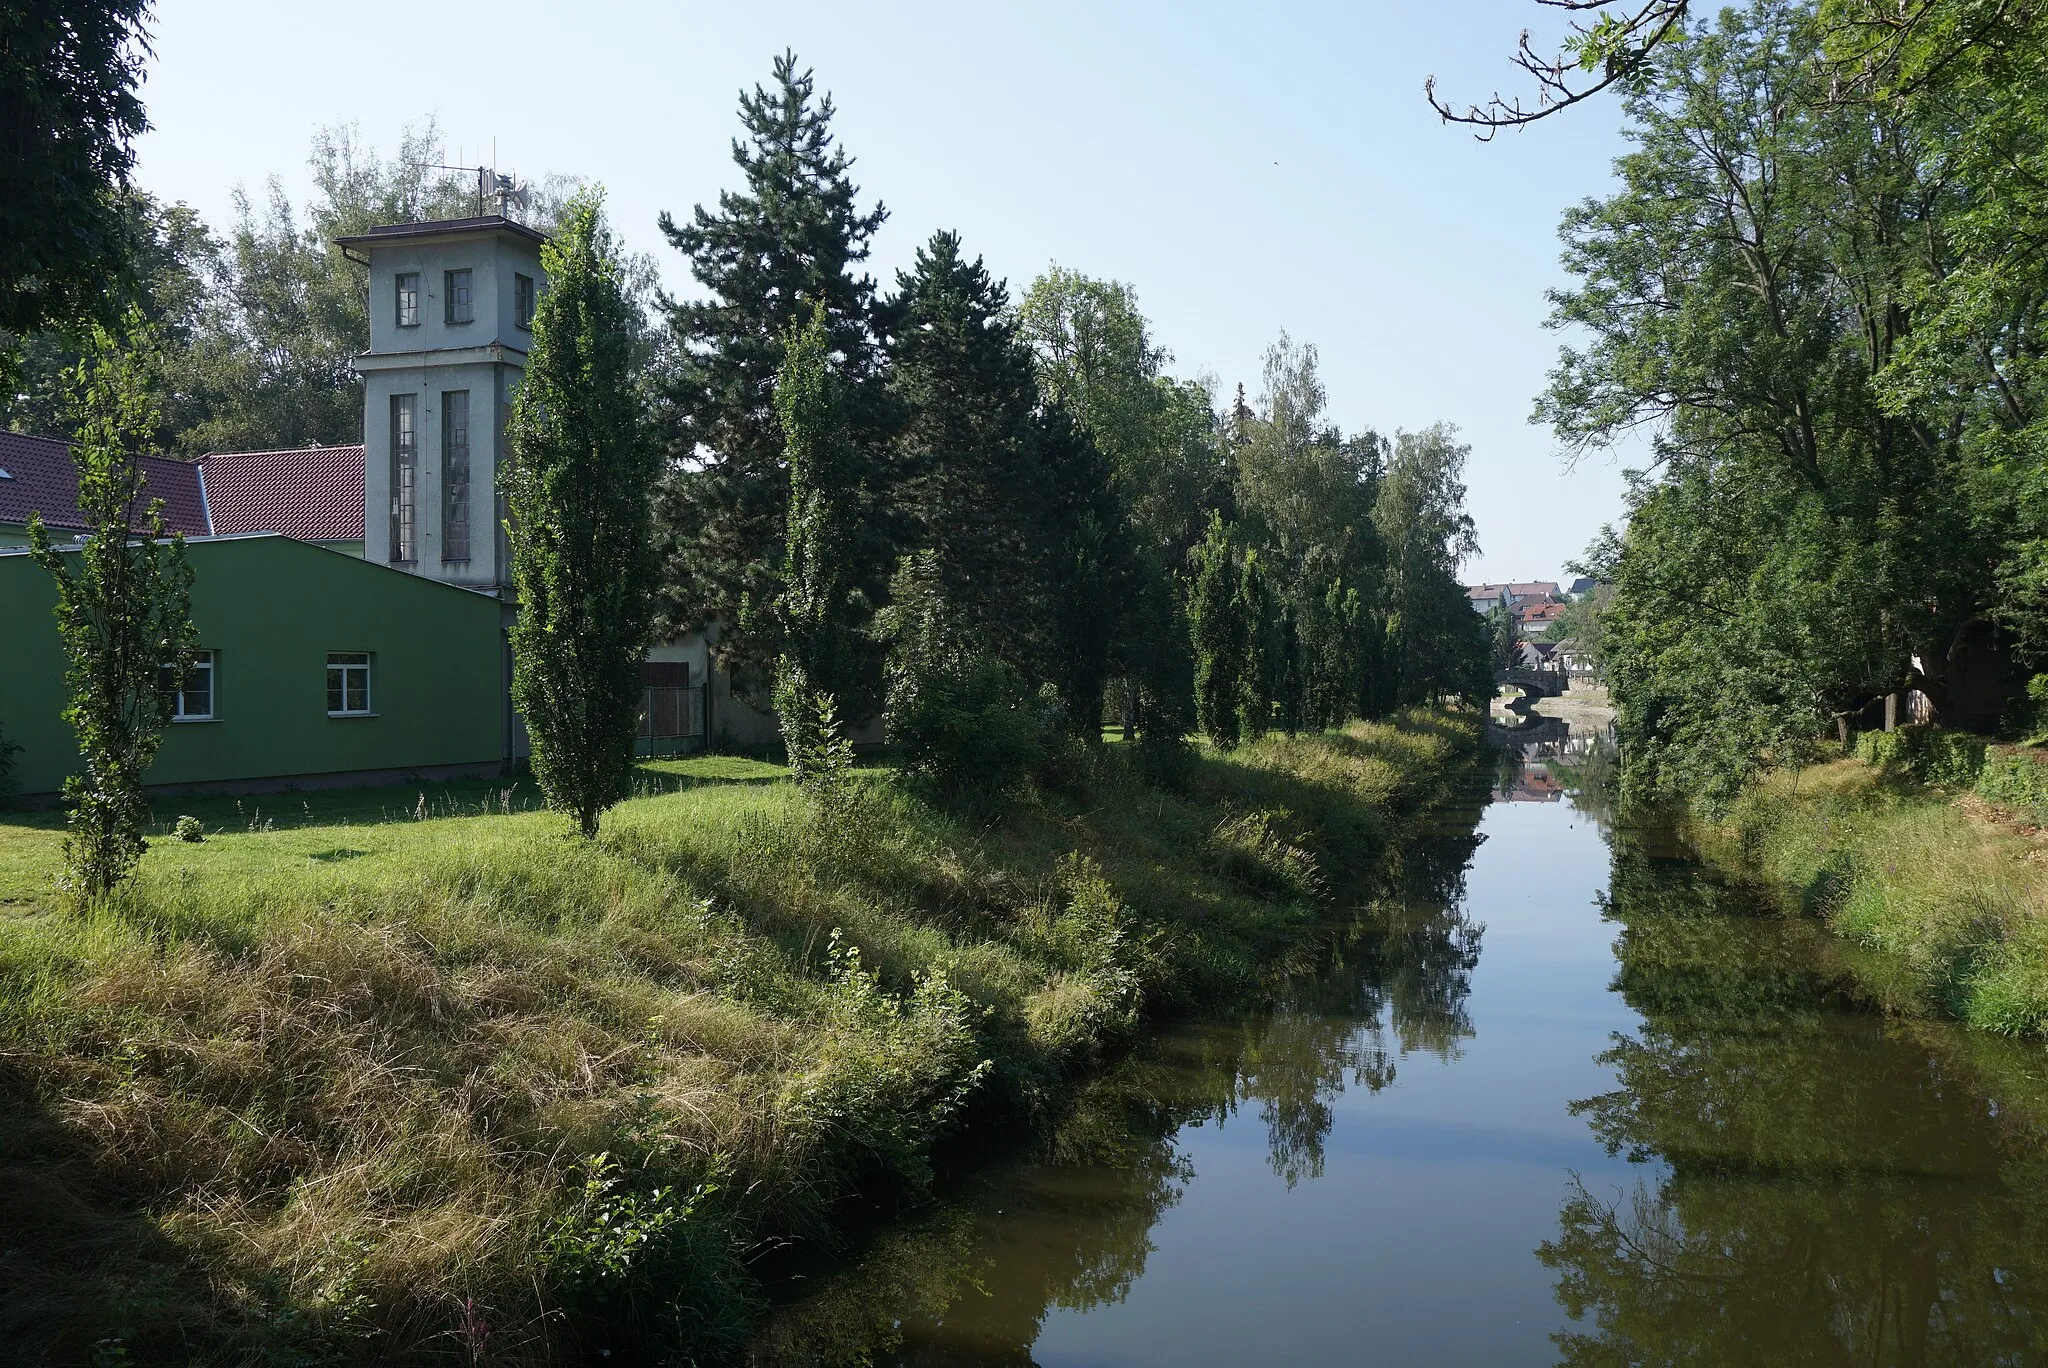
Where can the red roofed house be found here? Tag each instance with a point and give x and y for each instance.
(1535, 618)
(313, 494)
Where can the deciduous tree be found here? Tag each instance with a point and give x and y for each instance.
(123, 613)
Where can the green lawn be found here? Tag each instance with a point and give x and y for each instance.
(325, 826)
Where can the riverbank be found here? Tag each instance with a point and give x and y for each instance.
(1948, 888)
(436, 1083)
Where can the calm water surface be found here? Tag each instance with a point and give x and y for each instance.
(1553, 1097)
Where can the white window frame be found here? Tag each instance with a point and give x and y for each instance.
(202, 661)
(350, 663)
(407, 302)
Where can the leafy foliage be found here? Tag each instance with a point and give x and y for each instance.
(69, 112)
(579, 490)
(1833, 482)
(123, 614)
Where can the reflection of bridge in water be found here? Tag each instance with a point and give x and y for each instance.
(1524, 777)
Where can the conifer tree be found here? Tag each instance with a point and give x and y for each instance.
(124, 613)
(1088, 573)
(790, 240)
(1221, 638)
(971, 488)
(579, 490)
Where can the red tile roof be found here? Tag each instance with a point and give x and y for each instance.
(40, 478)
(308, 493)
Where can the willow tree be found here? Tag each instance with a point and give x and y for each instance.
(124, 613)
(579, 491)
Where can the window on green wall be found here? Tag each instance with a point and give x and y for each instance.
(189, 699)
(348, 683)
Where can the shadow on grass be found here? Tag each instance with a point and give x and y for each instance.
(288, 808)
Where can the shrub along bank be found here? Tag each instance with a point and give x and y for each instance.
(1879, 848)
(461, 1089)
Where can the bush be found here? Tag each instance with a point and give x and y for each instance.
(1929, 755)
(188, 830)
(2015, 777)
(971, 726)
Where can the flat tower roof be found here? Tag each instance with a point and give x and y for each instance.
(393, 232)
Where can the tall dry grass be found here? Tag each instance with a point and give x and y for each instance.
(461, 1089)
(1958, 911)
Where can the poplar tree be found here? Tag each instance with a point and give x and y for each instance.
(1217, 627)
(124, 613)
(788, 241)
(579, 491)
(1255, 677)
(819, 644)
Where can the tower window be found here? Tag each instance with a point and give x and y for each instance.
(455, 475)
(461, 300)
(409, 300)
(404, 473)
(522, 300)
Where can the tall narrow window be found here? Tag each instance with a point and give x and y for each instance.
(404, 473)
(461, 301)
(409, 300)
(455, 475)
(522, 300)
(348, 683)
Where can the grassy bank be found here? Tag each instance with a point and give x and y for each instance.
(416, 1078)
(1954, 907)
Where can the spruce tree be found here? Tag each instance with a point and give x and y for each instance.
(124, 613)
(787, 242)
(579, 490)
(1088, 571)
(971, 488)
(1218, 630)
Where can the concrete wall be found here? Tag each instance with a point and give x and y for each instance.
(486, 357)
(272, 608)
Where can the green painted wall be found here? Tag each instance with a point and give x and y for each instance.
(271, 609)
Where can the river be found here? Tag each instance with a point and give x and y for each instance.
(1553, 1095)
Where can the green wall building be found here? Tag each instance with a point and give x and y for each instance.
(316, 668)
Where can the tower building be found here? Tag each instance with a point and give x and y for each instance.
(451, 319)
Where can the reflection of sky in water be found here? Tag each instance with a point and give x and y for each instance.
(1384, 1168)
(1416, 1245)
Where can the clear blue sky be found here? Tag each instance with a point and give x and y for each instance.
(1247, 169)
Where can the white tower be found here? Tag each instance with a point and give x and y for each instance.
(451, 317)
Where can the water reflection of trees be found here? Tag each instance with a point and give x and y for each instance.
(1836, 1189)
(970, 1280)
